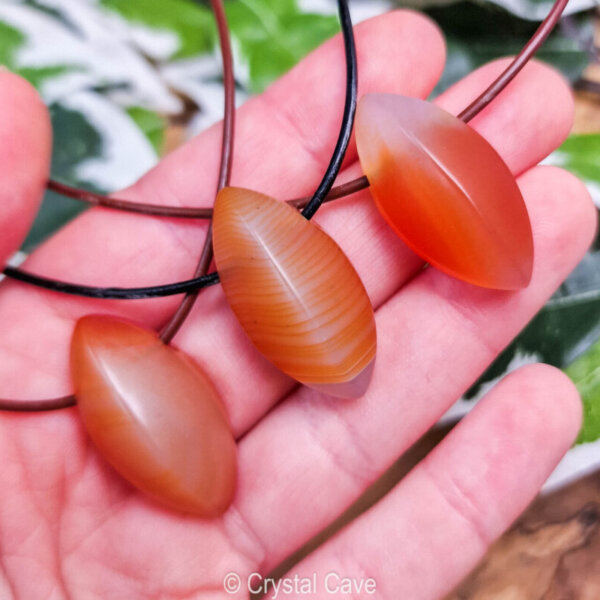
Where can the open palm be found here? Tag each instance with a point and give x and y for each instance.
(71, 528)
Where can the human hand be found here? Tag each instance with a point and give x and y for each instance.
(70, 527)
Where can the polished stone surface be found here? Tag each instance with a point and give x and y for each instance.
(295, 293)
(445, 191)
(154, 415)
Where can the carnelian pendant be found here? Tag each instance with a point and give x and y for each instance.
(445, 191)
(294, 292)
(154, 415)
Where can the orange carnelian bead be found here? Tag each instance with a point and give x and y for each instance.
(154, 415)
(294, 292)
(445, 191)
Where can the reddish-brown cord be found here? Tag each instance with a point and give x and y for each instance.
(351, 187)
(182, 312)
(182, 212)
(194, 284)
(532, 46)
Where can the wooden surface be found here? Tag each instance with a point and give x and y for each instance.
(587, 112)
(552, 553)
(587, 105)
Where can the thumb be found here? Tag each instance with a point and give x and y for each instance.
(25, 149)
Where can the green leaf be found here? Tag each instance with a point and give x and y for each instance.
(585, 373)
(580, 154)
(38, 75)
(10, 40)
(75, 140)
(274, 36)
(56, 210)
(192, 23)
(477, 33)
(152, 125)
(565, 328)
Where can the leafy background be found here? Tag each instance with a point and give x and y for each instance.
(126, 80)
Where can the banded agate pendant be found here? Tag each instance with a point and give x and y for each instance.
(294, 292)
(445, 191)
(154, 415)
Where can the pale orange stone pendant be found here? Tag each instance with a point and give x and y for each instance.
(294, 292)
(445, 191)
(154, 415)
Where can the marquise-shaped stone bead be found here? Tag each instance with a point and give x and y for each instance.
(294, 292)
(154, 415)
(445, 191)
